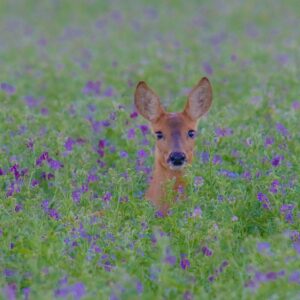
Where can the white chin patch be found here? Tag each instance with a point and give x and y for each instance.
(176, 168)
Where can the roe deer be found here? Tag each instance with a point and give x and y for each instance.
(175, 133)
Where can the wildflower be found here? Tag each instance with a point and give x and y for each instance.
(207, 68)
(7, 88)
(123, 154)
(9, 291)
(131, 134)
(276, 160)
(197, 212)
(139, 287)
(295, 277)
(159, 214)
(76, 195)
(142, 153)
(76, 290)
(31, 101)
(109, 92)
(55, 164)
(185, 263)
(44, 156)
(187, 295)
(264, 200)
(206, 251)
(107, 197)
(217, 159)
(133, 115)
(296, 105)
(234, 218)
(69, 144)
(282, 130)
(18, 207)
(205, 157)
(274, 186)
(222, 132)
(144, 129)
(287, 211)
(170, 259)
(198, 181)
(92, 178)
(92, 88)
(263, 247)
(269, 141)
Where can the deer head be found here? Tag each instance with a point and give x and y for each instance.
(175, 132)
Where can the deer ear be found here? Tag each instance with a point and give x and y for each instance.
(147, 102)
(199, 100)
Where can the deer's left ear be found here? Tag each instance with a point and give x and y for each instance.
(199, 100)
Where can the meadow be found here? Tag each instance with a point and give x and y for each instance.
(75, 157)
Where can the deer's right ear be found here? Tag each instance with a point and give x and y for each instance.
(147, 102)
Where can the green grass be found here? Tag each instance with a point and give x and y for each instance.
(49, 50)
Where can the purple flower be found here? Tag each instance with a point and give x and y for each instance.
(44, 156)
(7, 88)
(287, 211)
(76, 290)
(133, 115)
(205, 157)
(92, 88)
(9, 291)
(54, 164)
(2, 172)
(207, 68)
(217, 159)
(234, 218)
(69, 144)
(26, 293)
(264, 200)
(131, 134)
(142, 154)
(159, 214)
(76, 195)
(296, 105)
(274, 186)
(123, 154)
(198, 181)
(185, 263)
(197, 212)
(187, 295)
(297, 246)
(53, 214)
(107, 197)
(263, 247)
(269, 141)
(18, 207)
(144, 129)
(276, 160)
(170, 260)
(206, 251)
(109, 92)
(139, 287)
(31, 101)
(222, 132)
(92, 178)
(34, 182)
(282, 130)
(295, 277)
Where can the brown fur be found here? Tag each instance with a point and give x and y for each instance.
(175, 127)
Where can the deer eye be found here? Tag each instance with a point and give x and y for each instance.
(191, 134)
(159, 135)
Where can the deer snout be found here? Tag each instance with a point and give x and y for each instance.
(177, 158)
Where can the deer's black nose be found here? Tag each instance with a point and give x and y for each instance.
(177, 158)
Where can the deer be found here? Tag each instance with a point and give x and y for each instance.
(175, 139)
